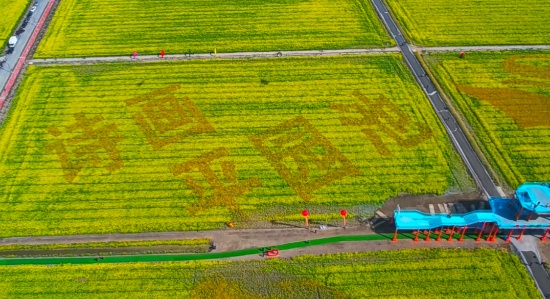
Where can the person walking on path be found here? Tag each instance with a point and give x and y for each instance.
(134, 55)
(162, 53)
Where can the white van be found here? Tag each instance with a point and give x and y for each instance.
(11, 44)
(12, 41)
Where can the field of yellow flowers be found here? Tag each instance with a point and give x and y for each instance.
(110, 27)
(506, 99)
(131, 147)
(471, 23)
(416, 273)
(12, 10)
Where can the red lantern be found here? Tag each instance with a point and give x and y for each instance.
(344, 213)
(305, 213)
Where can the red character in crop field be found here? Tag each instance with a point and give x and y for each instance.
(134, 55)
(162, 53)
(380, 119)
(165, 118)
(304, 158)
(214, 189)
(89, 140)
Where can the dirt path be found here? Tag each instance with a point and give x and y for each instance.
(230, 240)
(224, 239)
(362, 246)
(236, 55)
(480, 48)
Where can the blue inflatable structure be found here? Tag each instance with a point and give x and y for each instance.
(529, 209)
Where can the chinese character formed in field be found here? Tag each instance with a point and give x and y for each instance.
(520, 100)
(219, 192)
(86, 142)
(165, 119)
(304, 158)
(377, 117)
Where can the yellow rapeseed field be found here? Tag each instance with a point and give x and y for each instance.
(111, 27)
(506, 100)
(131, 147)
(402, 274)
(469, 23)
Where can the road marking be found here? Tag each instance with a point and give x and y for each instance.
(432, 210)
(482, 205)
(472, 207)
(432, 93)
(446, 208)
(441, 209)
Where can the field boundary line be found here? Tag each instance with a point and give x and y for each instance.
(271, 54)
(235, 55)
(480, 48)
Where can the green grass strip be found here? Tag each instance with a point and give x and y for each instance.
(207, 256)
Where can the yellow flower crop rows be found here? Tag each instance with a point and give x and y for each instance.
(506, 99)
(11, 10)
(110, 27)
(467, 22)
(193, 144)
(418, 273)
(112, 244)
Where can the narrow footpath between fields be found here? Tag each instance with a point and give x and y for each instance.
(272, 54)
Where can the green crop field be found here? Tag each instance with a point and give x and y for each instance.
(466, 22)
(131, 147)
(111, 27)
(418, 273)
(11, 11)
(506, 99)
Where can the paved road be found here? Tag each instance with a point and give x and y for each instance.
(14, 61)
(538, 272)
(11, 59)
(469, 156)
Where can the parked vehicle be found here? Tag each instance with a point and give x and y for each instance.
(26, 21)
(11, 44)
